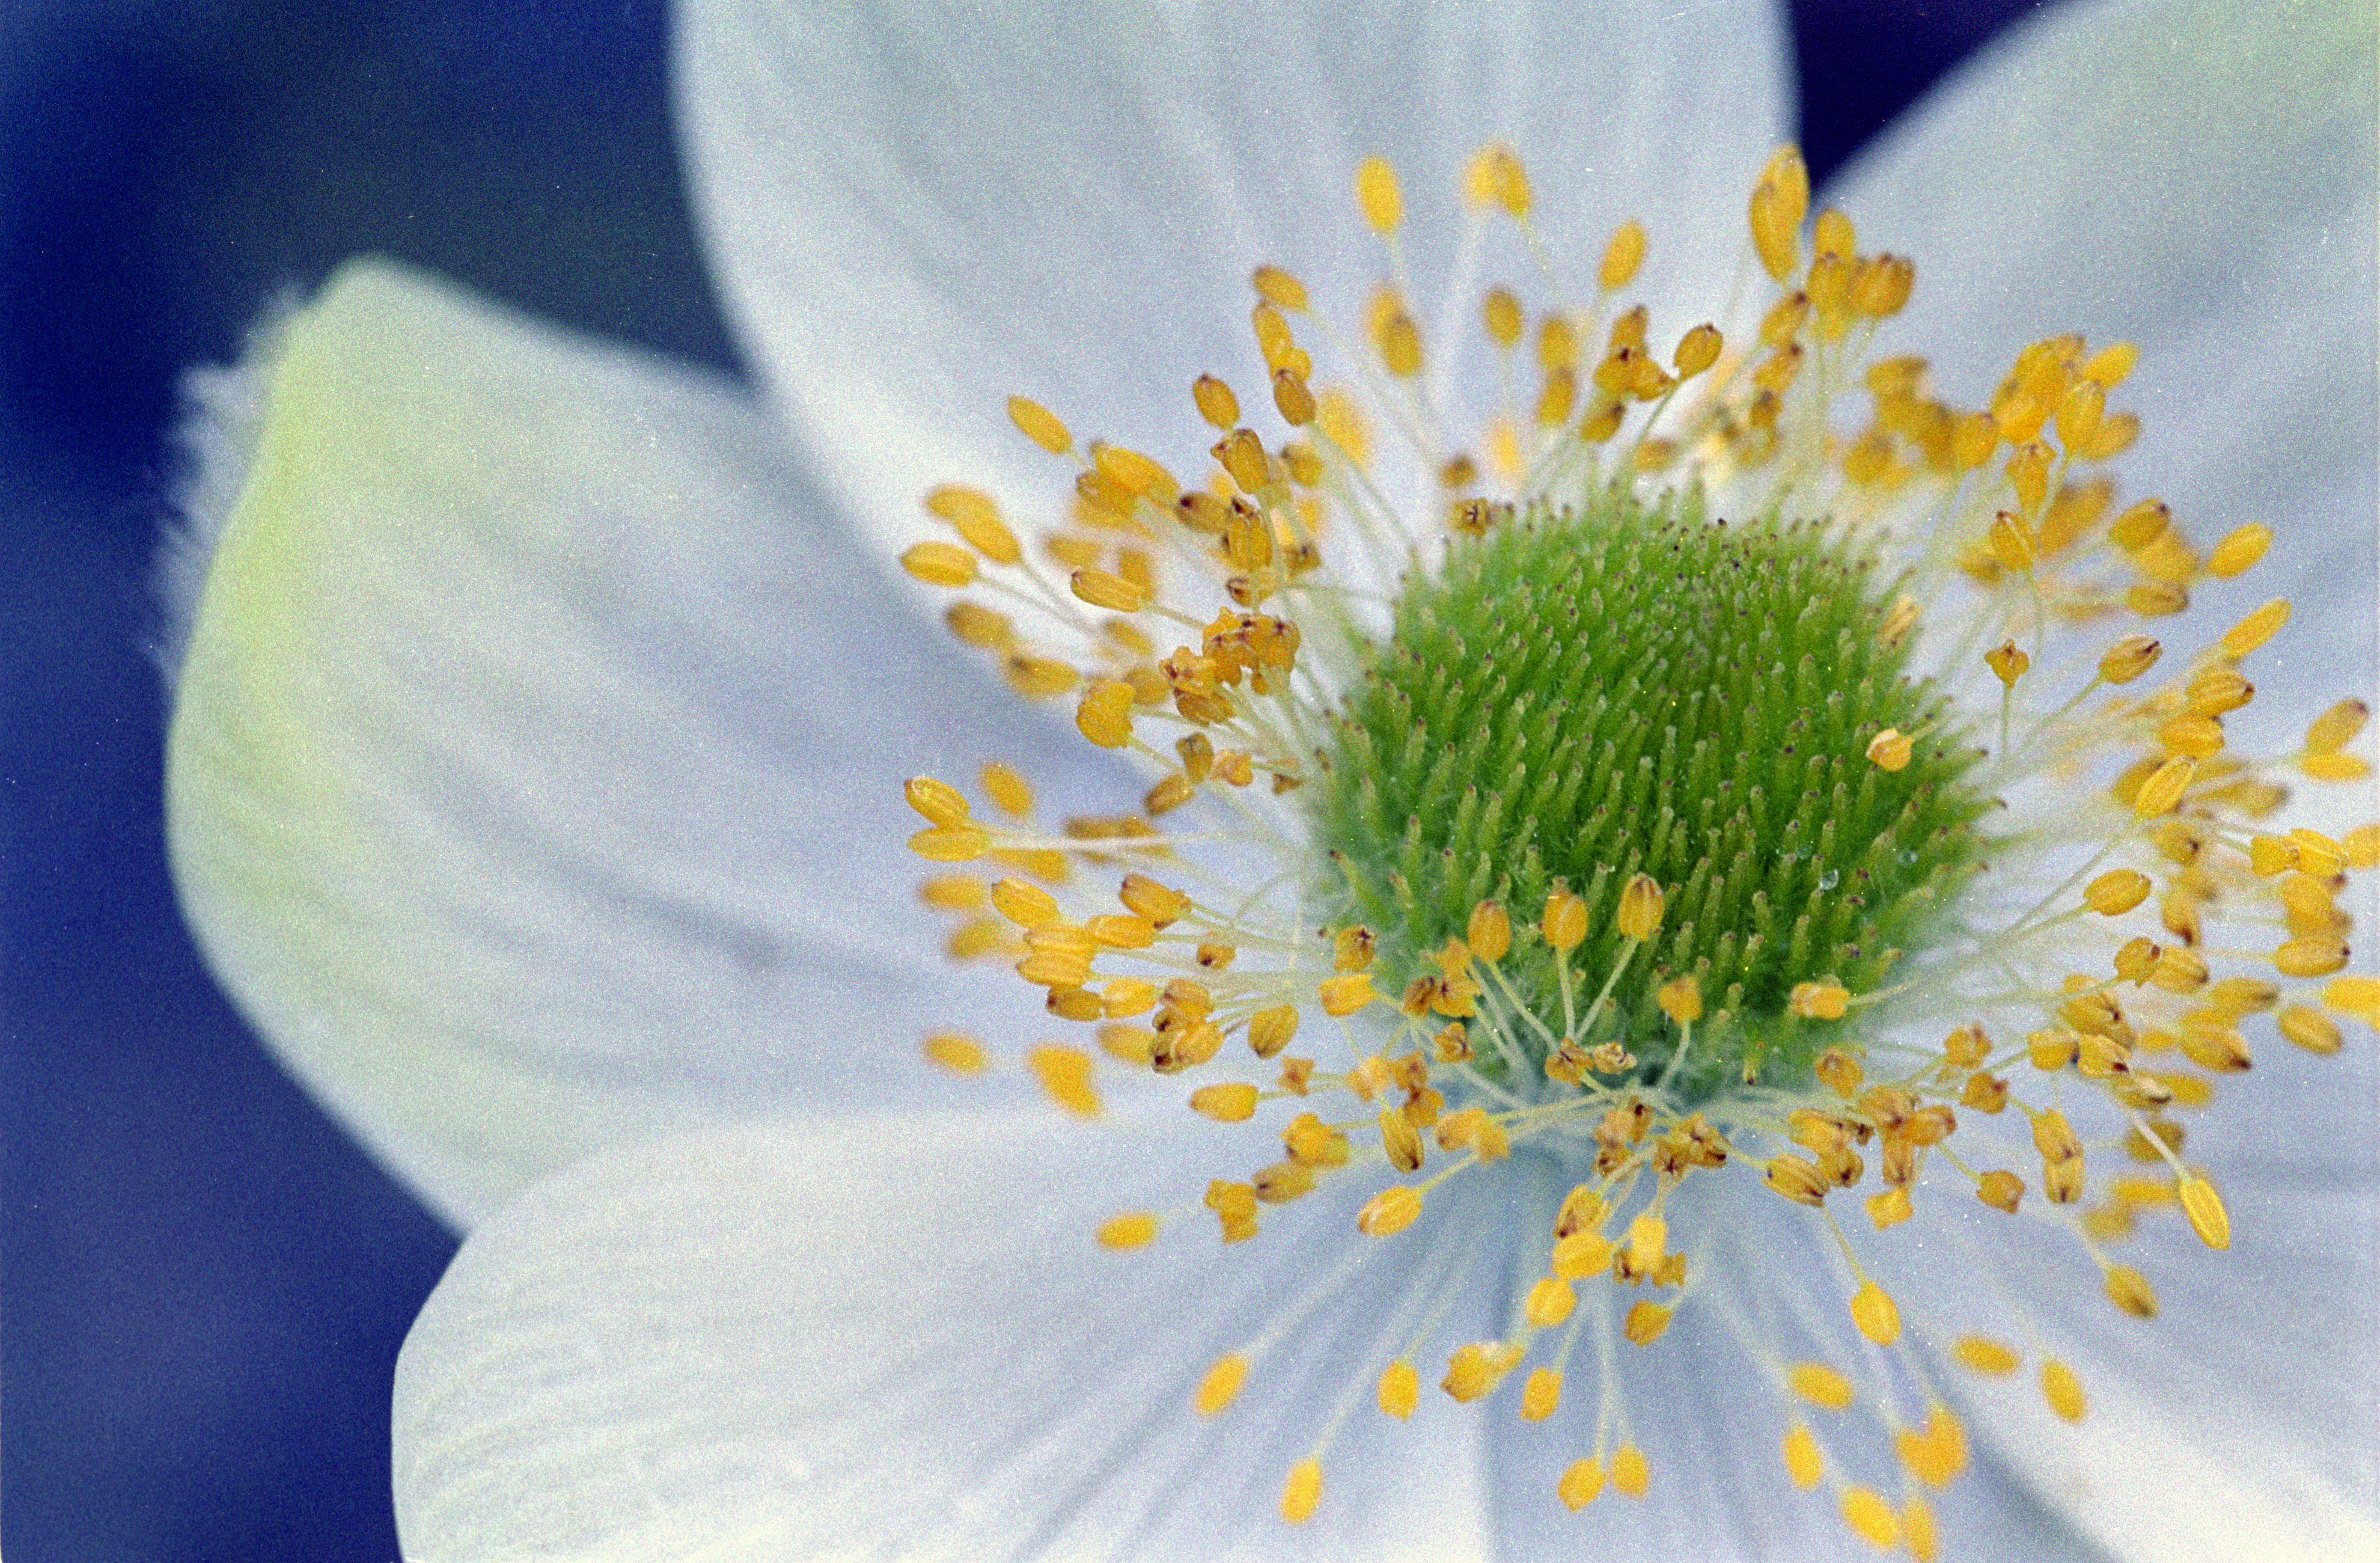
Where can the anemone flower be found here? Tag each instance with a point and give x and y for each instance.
(1715, 882)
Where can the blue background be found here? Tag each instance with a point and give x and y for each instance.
(203, 1285)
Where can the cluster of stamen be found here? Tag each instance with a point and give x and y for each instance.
(1593, 1024)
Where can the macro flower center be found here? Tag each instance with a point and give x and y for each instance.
(1578, 697)
(1661, 782)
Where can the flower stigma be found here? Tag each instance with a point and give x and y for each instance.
(1731, 761)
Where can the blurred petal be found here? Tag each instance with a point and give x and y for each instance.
(2197, 176)
(534, 776)
(916, 210)
(897, 1338)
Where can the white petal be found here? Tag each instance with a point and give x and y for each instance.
(2245, 1408)
(534, 780)
(2197, 176)
(896, 1337)
(918, 210)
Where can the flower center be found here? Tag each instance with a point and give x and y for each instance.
(1647, 841)
(1580, 696)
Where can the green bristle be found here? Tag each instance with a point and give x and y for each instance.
(1586, 694)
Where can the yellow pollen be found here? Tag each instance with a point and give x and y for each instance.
(1681, 999)
(2062, 1390)
(1494, 177)
(957, 1051)
(1133, 1228)
(1874, 1313)
(1640, 907)
(1041, 425)
(1540, 1393)
(1581, 1481)
(1621, 256)
(1302, 1491)
(1389, 1212)
(1221, 1384)
(2129, 1291)
(1478, 1367)
(1871, 1518)
(1399, 1389)
(1377, 193)
(1549, 1302)
(1981, 1354)
(1890, 750)
(1803, 1461)
(1820, 1385)
(1564, 923)
(1582, 1255)
(1630, 1471)
(1921, 1535)
(1646, 1321)
(1065, 1075)
(1346, 993)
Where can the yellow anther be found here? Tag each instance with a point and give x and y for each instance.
(1065, 1076)
(1476, 1368)
(1278, 287)
(1399, 1389)
(2140, 524)
(977, 518)
(1581, 1481)
(2078, 411)
(1291, 397)
(1216, 403)
(1697, 350)
(1799, 1179)
(2129, 1291)
(938, 800)
(1920, 1534)
(2317, 853)
(1136, 1228)
(2309, 1028)
(1681, 999)
(1122, 933)
(2255, 630)
(2240, 547)
(1802, 1462)
(2009, 662)
(2116, 891)
(1399, 345)
(1640, 907)
(1874, 1313)
(1494, 177)
(2333, 731)
(1548, 1303)
(2062, 1390)
(1041, 425)
(2316, 955)
(1648, 1238)
(1621, 256)
(2163, 790)
(1564, 920)
(2216, 690)
(1500, 315)
(1818, 1001)
(957, 1051)
(2012, 542)
(2001, 1190)
(1778, 202)
(1472, 1128)
(1820, 1385)
(1389, 1212)
(978, 625)
(1302, 1491)
(952, 892)
(1582, 1255)
(1874, 1520)
(2157, 599)
(1283, 1182)
(1833, 235)
(1234, 1103)
(1540, 1393)
(1102, 590)
(1489, 932)
(2110, 365)
(938, 564)
(1104, 715)
(1039, 677)
(2204, 1208)
(1890, 750)
(1630, 1472)
(1646, 1321)
(1983, 1355)
(1346, 993)
(2192, 735)
(951, 844)
(1399, 1139)
(1887, 1209)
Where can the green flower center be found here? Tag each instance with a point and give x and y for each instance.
(1585, 694)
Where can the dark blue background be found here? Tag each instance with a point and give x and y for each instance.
(204, 1284)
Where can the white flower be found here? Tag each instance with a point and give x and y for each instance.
(533, 777)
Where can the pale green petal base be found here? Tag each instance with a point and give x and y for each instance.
(534, 777)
